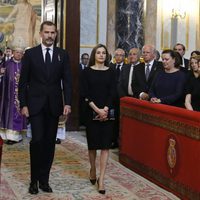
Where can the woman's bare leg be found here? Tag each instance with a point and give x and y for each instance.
(103, 163)
(92, 159)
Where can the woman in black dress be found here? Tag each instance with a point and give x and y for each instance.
(98, 89)
(192, 99)
(168, 86)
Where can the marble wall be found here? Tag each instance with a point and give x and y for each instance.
(129, 24)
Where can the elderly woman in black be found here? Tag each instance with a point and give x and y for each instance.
(98, 89)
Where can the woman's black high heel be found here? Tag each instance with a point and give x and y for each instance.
(92, 181)
(100, 191)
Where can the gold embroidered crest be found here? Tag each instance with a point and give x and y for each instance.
(171, 154)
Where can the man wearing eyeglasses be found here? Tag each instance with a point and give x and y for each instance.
(84, 61)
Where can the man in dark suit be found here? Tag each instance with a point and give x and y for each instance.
(82, 104)
(125, 79)
(119, 56)
(180, 48)
(44, 69)
(144, 73)
(84, 61)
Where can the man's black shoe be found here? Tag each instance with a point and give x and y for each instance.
(58, 141)
(45, 187)
(33, 188)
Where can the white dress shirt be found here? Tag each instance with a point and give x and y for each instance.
(44, 50)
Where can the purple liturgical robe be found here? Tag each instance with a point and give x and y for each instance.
(12, 123)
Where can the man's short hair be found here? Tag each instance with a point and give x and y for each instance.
(48, 23)
(84, 54)
(180, 45)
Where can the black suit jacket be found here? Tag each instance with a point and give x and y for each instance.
(186, 62)
(139, 83)
(123, 81)
(113, 66)
(36, 88)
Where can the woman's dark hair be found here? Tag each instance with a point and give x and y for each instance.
(195, 52)
(174, 55)
(92, 55)
(196, 57)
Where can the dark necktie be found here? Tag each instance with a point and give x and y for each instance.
(147, 71)
(47, 60)
(118, 72)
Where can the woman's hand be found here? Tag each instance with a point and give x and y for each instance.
(102, 114)
(155, 100)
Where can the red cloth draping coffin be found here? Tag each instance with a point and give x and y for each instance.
(162, 143)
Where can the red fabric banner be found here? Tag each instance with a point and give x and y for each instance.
(163, 144)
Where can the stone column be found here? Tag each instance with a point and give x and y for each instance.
(129, 24)
(111, 22)
(151, 22)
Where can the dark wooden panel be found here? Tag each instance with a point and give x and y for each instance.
(72, 44)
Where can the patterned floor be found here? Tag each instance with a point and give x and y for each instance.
(69, 176)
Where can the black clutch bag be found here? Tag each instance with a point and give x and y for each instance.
(111, 115)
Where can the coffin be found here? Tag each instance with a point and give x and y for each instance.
(161, 143)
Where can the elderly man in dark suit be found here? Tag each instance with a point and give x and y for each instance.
(44, 69)
(126, 75)
(144, 73)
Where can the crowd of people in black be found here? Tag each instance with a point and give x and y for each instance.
(30, 82)
(173, 81)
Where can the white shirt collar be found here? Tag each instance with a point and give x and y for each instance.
(151, 63)
(44, 47)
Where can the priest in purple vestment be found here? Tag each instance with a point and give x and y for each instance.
(12, 123)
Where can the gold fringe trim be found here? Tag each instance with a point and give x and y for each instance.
(9, 131)
(171, 125)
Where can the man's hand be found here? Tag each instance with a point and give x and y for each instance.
(24, 111)
(144, 96)
(67, 110)
(2, 70)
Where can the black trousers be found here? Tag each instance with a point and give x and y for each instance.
(42, 146)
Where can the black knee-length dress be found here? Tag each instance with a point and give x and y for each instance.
(98, 86)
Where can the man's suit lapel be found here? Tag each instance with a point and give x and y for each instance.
(153, 70)
(56, 58)
(126, 74)
(41, 59)
(143, 71)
